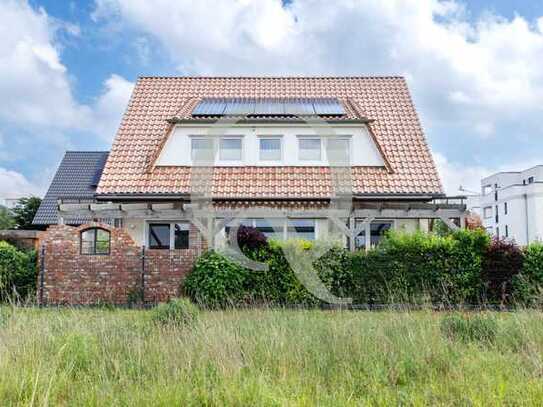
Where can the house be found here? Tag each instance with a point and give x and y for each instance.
(512, 204)
(307, 157)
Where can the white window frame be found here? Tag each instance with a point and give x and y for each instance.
(346, 138)
(270, 137)
(284, 225)
(196, 137)
(233, 137)
(302, 138)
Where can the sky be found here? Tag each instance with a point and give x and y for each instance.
(473, 67)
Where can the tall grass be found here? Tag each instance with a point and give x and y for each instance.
(264, 357)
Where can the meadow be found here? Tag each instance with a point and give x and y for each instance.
(268, 357)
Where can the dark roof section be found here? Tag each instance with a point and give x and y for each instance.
(77, 178)
(269, 107)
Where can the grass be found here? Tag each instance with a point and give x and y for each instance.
(265, 357)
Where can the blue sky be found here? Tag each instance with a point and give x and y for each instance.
(67, 69)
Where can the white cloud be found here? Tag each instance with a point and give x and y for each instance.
(15, 185)
(110, 106)
(36, 86)
(474, 78)
(33, 81)
(478, 85)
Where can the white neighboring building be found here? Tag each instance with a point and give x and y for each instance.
(512, 205)
(9, 203)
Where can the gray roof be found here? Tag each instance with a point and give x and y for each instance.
(76, 179)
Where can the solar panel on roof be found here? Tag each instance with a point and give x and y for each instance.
(210, 107)
(239, 106)
(299, 107)
(328, 107)
(268, 107)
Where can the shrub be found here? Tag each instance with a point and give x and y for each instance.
(469, 328)
(528, 285)
(216, 281)
(251, 239)
(407, 267)
(18, 272)
(176, 312)
(502, 261)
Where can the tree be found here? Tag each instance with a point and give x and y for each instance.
(25, 211)
(6, 218)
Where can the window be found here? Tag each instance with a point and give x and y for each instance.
(159, 236)
(496, 195)
(181, 235)
(506, 231)
(487, 212)
(201, 149)
(95, 241)
(309, 149)
(270, 149)
(530, 180)
(301, 229)
(505, 208)
(338, 150)
(165, 236)
(497, 232)
(377, 232)
(487, 189)
(230, 149)
(271, 228)
(497, 215)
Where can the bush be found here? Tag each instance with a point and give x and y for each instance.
(251, 239)
(528, 285)
(409, 267)
(502, 261)
(216, 281)
(18, 272)
(176, 312)
(470, 328)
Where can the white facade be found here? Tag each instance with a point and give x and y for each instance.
(512, 205)
(362, 150)
(9, 203)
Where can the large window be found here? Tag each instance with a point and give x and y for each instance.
(201, 149)
(271, 228)
(338, 150)
(95, 241)
(270, 149)
(378, 229)
(301, 229)
(165, 236)
(230, 149)
(309, 149)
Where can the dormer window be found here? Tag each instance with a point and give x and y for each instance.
(339, 150)
(309, 149)
(201, 149)
(270, 149)
(230, 149)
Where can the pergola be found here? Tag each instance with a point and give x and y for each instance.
(211, 219)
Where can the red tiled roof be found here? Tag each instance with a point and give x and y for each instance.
(157, 100)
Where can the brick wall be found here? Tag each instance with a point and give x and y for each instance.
(72, 278)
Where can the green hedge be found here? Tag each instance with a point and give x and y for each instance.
(456, 268)
(528, 284)
(18, 273)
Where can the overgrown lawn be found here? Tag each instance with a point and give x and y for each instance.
(266, 357)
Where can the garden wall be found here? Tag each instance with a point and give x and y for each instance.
(129, 274)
